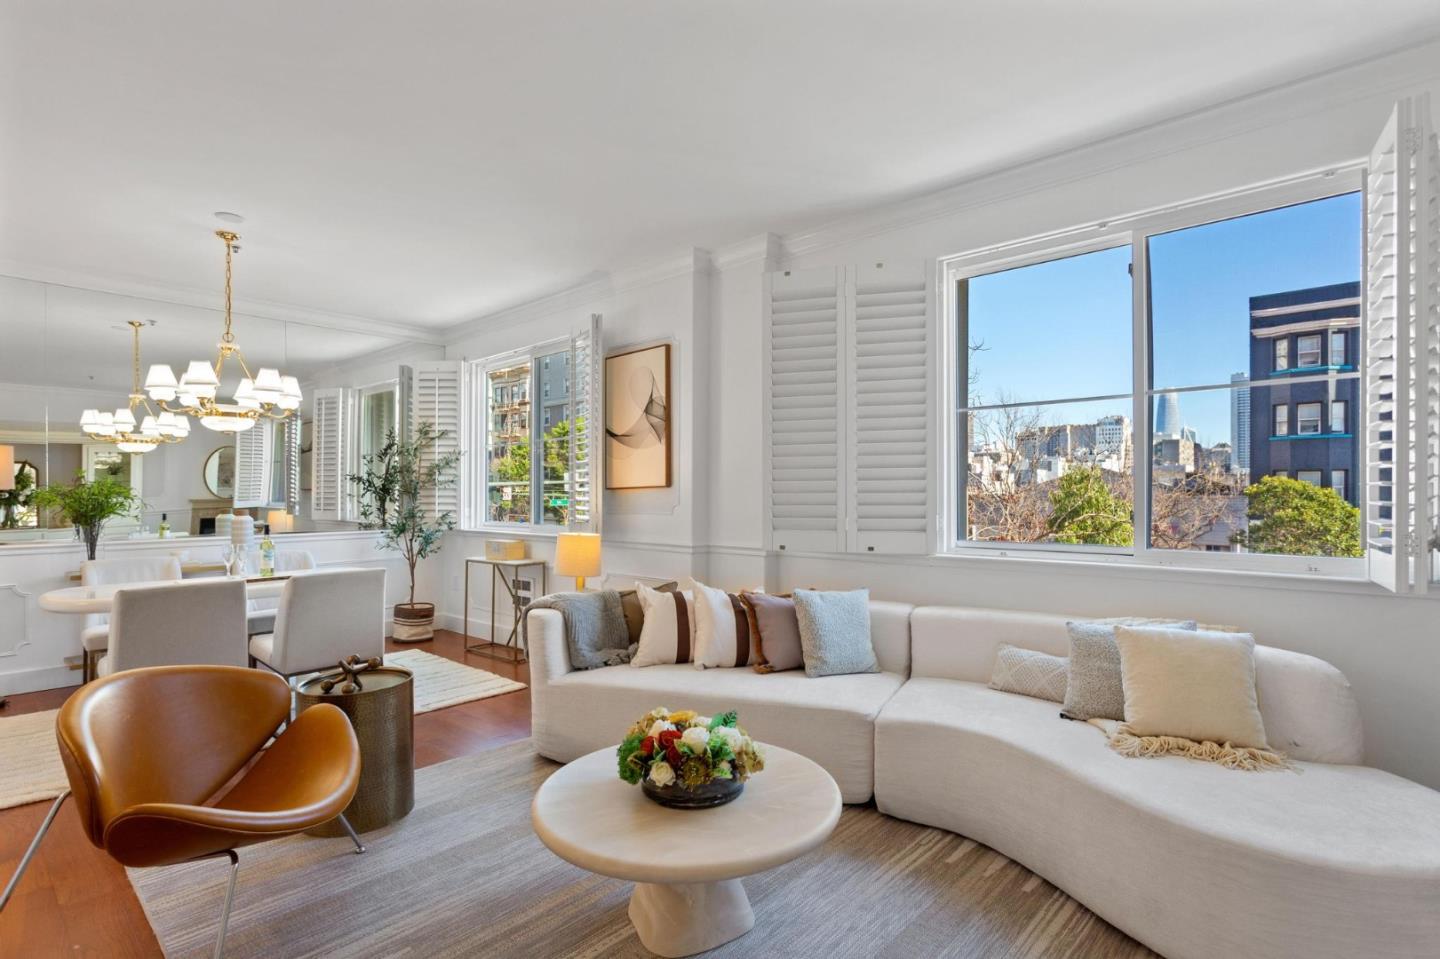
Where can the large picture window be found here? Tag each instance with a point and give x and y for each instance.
(1104, 385)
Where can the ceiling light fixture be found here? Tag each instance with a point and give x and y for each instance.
(266, 394)
(123, 429)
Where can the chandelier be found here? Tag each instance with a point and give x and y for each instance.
(266, 394)
(121, 426)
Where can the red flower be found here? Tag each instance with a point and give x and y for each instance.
(647, 745)
(673, 754)
(668, 736)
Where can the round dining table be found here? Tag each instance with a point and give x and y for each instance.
(100, 599)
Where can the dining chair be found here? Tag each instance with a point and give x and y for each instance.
(149, 753)
(261, 617)
(95, 634)
(196, 623)
(324, 617)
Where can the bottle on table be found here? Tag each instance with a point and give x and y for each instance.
(164, 526)
(267, 556)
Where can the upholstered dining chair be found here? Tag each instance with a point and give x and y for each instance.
(196, 623)
(261, 618)
(149, 752)
(323, 617)
(95, 635)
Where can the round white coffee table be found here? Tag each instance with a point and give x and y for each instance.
(686, 863)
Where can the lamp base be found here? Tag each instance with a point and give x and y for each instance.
(579, 584)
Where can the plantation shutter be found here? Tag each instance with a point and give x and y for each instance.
(437, 389)
(327, 461)
(290, 434)
(252, 465)
(889, 320)
(1402, 349)
(805, 400)
(586, 350)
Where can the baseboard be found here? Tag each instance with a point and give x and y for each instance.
(34, 680)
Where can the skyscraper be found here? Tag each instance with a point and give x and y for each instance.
(1240, 424)
(1167, 415)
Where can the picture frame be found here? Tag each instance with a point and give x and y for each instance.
(638, 411)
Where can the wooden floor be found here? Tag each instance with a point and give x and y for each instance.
(76, 901)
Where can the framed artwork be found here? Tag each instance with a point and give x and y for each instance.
(637, 418)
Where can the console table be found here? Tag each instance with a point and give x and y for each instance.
(503, 571)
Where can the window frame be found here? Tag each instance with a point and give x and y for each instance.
(1280, 353)
(1344, 351)
(1319, 418)
(1280, 419)
(1344, 425)
(1319, 474)
(1135, 230)
(1300, 350)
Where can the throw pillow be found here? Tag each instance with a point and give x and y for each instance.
(835, 632)
(634, 612)
(722, 630)
(1192, 685)
(1029, 673)
(668, 635)
(1093, 688)
(777, 631)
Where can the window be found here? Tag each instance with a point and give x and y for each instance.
(1308, 349)
(507, 448)
(1337, 348)
(1307, 418)
(1337, 417)
(1338, 482)
(1309, 476)
(1282, 354)
(1281, 425)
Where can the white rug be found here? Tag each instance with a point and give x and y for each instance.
(30, 767)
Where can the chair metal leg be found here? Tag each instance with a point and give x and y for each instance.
(350, 831)
(229, 898)
(34, 845)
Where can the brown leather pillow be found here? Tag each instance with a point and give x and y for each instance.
(634, 615)
(777, 631)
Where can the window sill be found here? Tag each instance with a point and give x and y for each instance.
(1313, 436)
(512, 532)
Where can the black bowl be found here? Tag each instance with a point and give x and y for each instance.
(717, 792)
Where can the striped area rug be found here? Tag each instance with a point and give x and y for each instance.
(464, 875)
(30, 768)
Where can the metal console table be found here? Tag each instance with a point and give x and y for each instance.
(509, 650)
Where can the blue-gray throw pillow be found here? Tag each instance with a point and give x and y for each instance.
(835, 632)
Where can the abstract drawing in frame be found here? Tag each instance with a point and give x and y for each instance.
(637, 418)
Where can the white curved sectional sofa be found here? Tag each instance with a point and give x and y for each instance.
(1333, 859)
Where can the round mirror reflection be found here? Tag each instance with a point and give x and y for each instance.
(220, 473)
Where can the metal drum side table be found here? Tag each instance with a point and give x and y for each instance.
(383, 714)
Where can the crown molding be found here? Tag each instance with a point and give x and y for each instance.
(212, 300)
(398, 352)
(1396, 70)
(766, 248)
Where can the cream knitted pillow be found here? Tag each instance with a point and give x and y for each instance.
(1189, 684)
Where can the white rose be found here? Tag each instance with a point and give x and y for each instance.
(697, 739)
(701, 721)
(661, 774)
(658, 727)
(733, 737)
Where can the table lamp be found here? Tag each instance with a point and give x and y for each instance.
(578, 555)
(7, 467)
(279, 521)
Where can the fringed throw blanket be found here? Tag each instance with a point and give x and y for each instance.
(595, 632)
(1126, 743)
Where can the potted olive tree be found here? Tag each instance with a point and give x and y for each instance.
(390, 486)
(87, 505)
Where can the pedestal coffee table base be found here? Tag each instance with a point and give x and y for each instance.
(681, 919)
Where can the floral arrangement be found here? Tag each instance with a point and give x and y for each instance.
(686, 749)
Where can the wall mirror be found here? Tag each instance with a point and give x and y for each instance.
(220, 472)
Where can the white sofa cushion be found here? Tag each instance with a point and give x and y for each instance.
(1190, 858)
(1307, 705)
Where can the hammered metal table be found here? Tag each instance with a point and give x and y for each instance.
(383, 714)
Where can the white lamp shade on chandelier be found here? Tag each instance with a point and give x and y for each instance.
(121, 427)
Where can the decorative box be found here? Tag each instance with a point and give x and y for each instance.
(505, 549)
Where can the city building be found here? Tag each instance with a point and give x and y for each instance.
(1167, 415)
(554, 389)
(1240, 424)
(1304, 393)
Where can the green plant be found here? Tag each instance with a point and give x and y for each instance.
(1084, 509)
(15, 501)
(1300, 519)
(87, 505)
(391, 483)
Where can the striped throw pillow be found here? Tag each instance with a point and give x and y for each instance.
(668, 635)
(722, 630)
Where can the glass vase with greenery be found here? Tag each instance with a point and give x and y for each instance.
(391, 487)
(87, 505)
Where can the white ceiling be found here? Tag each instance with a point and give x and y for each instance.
(427, 162)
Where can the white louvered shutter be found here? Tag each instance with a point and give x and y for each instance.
(290, 436)
(327, 457)
(252, 465)
(889, 310)
(586, 349)
(437, 391)
(805, 400)
(1401, 376)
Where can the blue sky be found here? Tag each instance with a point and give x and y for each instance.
(1062, 329)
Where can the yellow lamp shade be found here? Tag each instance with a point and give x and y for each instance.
(578, 555)
(7, 467)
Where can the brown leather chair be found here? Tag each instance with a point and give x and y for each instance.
(149, 754)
